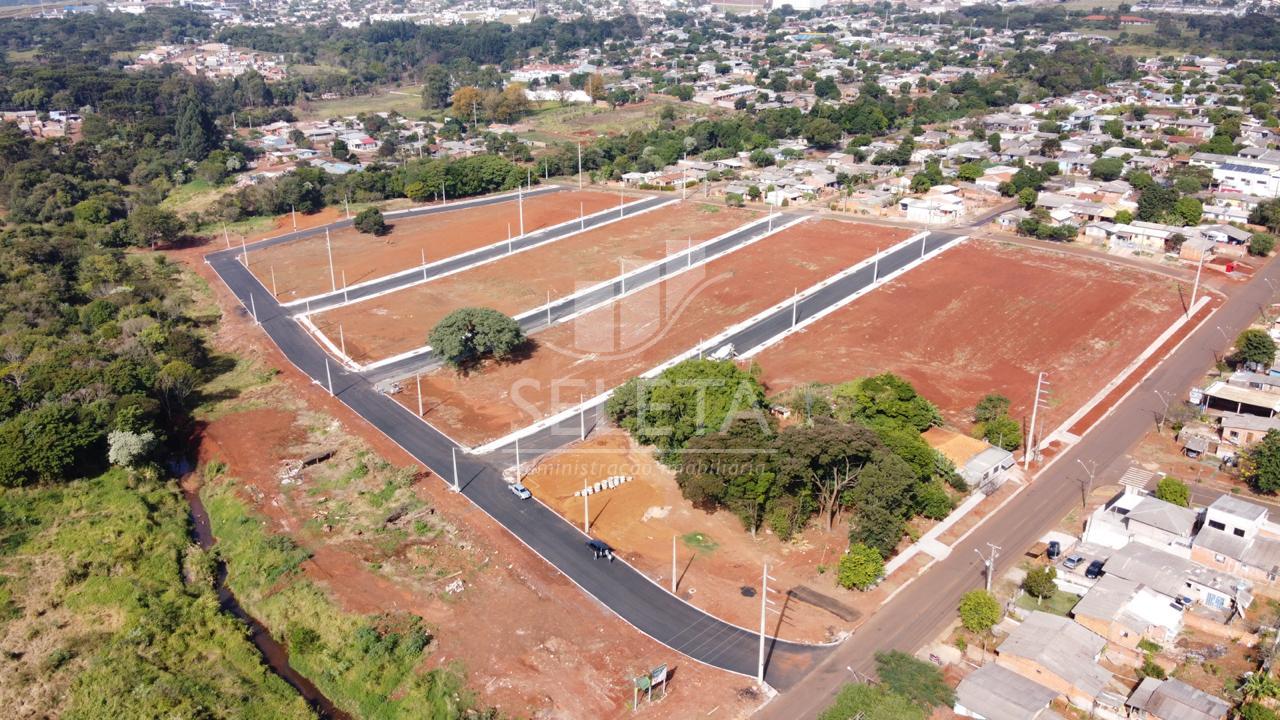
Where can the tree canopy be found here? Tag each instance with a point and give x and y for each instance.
(468, 335)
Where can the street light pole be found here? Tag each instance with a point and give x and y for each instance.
(1092, 471)
(989, 562)
(1163, 399)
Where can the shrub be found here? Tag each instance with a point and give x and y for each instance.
(860, 568)
(371, 222)
(979, 611)
(914, 679)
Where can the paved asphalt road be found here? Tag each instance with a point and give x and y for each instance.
(413, 276)
(555, 435)
(921, 611)
(617, 585)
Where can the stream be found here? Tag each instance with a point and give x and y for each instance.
(273, 653)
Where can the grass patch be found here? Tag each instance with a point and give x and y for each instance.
(1060, 604)
(699, 542)
(195, 196)
(406, 100)
(113, 612)
(366, 665)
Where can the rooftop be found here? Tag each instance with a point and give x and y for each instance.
(997, 693)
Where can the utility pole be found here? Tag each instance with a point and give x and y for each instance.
(453, 451)
(417, 379)
(875, 269)
(253, 308)
(274, 292)
(989, 562)
(1163, 399)
(520, 200)
(1195, 289)
(579, 166)
(765, 602)
(673, 565)
(1092, 471)
(328, 376)
(586, 510)
(1031, 432)
(328, 246)
(293, 213)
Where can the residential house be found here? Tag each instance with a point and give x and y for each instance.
(1233, 540)
(1242, 431)
(994, 692)
(1172, 699)
(980, 464)
(1179, 577)
(1059, 654)
(1125, 612)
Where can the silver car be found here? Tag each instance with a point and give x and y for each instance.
(520, 491)
(1072, 562)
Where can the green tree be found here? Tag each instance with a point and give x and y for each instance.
(437, 87)
(1124, 216)
(339, 150)
(882, 501)
(979, 611)
(933, 501)
(1173, 490)
(1255, 346)
(733, 469)
(919, 681)
(695, 397)
(861, 567)
(1003, 432)
(1261, 244)
(884, 397)
(1261, 466)
(761, 158)
(467, 335)
(371, 222)
(154, 226)
(990, 407)
(1189, 210)
(822, 133)
(1156, 202)
(969, 172)
(829, 458)
(194, 129)
(867, 702)
(1039, 582)
(826, 89)
(1106, 169)
(1027, 198)
(993, 142)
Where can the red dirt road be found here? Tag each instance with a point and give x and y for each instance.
(602, 348)
(391, 324)
(302, 267)
(986, 317)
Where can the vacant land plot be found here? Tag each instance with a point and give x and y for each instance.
(301, 268)
(984, 318)
(715, 556)
(391, 324)
(601, 349)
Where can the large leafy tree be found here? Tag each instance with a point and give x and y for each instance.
(467, 335)
(1039, 582)
(828, 457)
(437, 87)
(1262, 464)
(732, 469)
(695, 397)
(869, 702)
(884, 397)
(883, 500)
(1255, 346)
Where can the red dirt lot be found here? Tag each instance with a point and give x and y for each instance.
(302, 267)
(391, 324)
(602, 348)
(531, 643)
(986, 317)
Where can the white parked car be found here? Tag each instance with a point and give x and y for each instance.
(520, 491)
